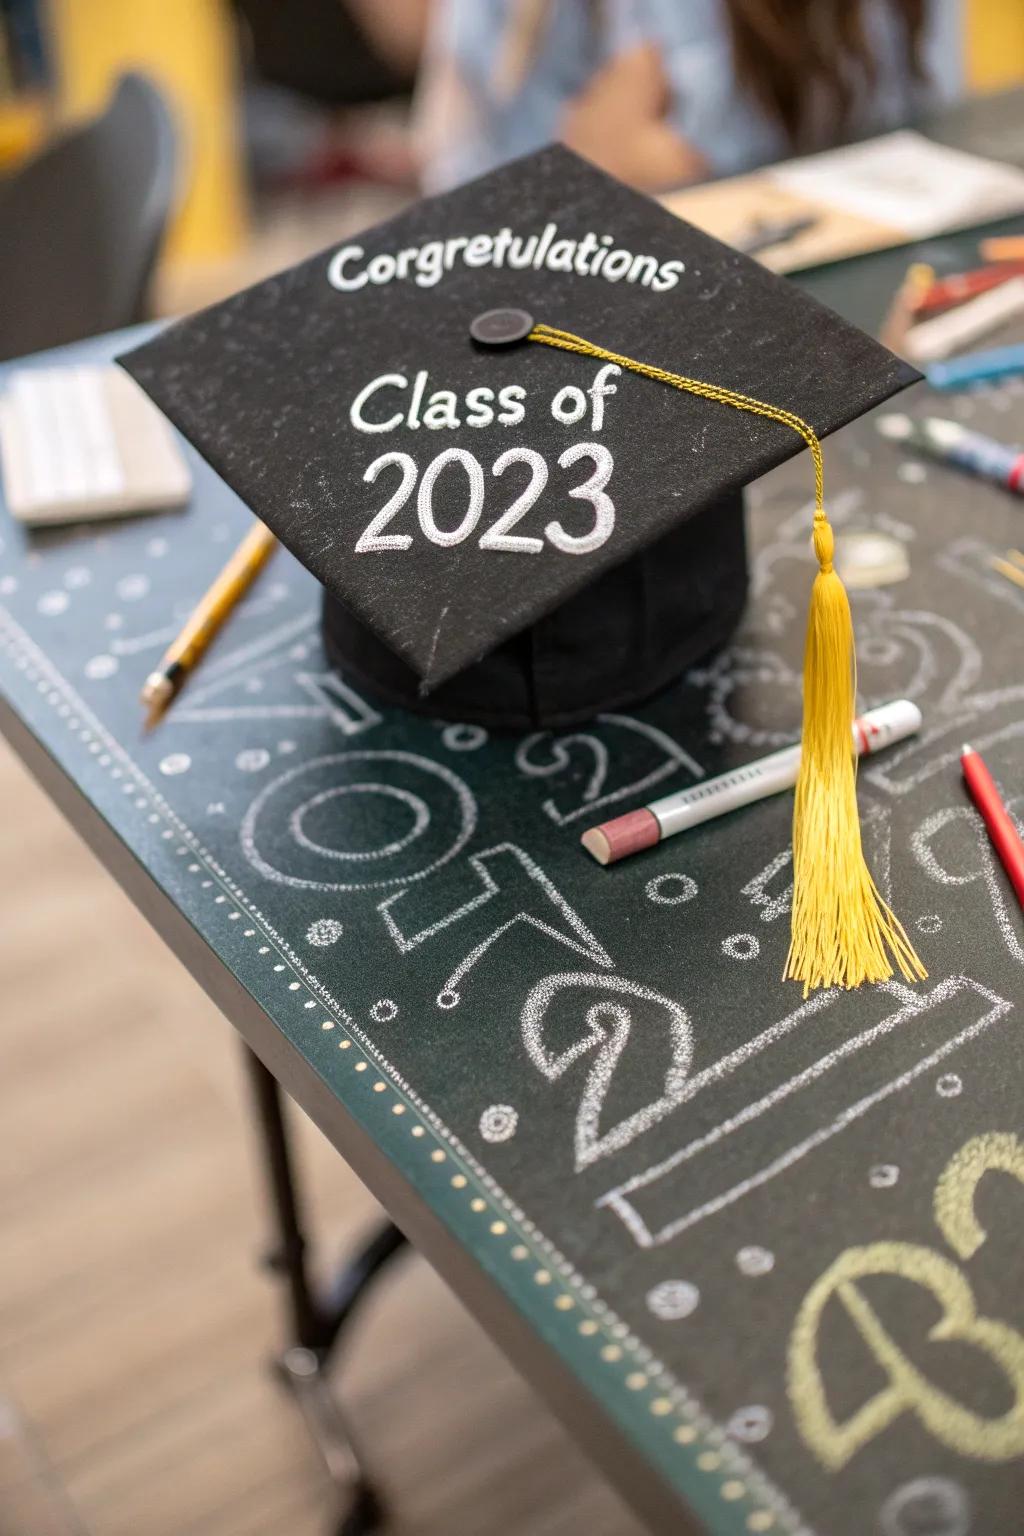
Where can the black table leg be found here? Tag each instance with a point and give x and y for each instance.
(316, 1322)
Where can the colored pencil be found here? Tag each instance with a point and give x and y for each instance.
(184, 653)
(1000, 824)
(977, 368)
(947, 292)
(934, 340)
(895, 327)
(1003, 248)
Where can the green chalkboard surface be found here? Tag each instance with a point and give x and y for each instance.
(779, 1240)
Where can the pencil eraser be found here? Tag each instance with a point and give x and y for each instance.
(617, 839)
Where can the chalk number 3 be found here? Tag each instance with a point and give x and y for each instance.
(908, 1389)
(499, 535)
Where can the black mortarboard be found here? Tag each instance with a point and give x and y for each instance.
(351, 383)
(513, 523)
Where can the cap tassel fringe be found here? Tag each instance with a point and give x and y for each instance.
(842, 932)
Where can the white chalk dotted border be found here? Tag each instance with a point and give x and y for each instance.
(642, 1373)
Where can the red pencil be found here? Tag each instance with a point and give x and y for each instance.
(996, 817)
(946, 292)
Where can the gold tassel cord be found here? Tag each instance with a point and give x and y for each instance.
(842, 932)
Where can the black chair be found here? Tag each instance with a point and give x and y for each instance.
(81, 224)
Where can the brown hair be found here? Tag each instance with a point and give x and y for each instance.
(805, 61)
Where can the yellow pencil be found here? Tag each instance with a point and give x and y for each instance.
(182, 655)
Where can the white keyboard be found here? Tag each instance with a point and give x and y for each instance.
(83, 443)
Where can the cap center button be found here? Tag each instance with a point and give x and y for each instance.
(501, 327)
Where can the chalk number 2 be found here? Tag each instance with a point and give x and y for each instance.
(499, 535)
(908, 1389)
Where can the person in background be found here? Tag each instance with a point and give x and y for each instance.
(665, 92)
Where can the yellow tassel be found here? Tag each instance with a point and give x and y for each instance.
(842, 931)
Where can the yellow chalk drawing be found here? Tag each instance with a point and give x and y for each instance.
(995, 1152)
(909, 1389)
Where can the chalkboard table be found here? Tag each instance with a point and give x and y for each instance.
(747, 1244)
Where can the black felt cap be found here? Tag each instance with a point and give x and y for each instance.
(457, 496)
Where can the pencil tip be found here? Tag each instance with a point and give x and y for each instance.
(965, 749)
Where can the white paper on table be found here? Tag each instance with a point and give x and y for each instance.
(906, 181)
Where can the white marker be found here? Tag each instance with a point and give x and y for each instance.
(614, 840)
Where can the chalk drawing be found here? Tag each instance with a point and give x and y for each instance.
(607, 1032)
(499, 1123)
(252, 759)
(175, 763)
(452, 811)
(98, 668)
(324, 932)
(647, 1233)
(594, 795)
(574, 933)
(416, 803)
(749, 672)
(754, 1261)
(969, 559)
(756, 889)
(672, 1300)
(928, 1506)
(985, 870)
(463, 738)
(751, 1424)
(670, 890)
(741, 946)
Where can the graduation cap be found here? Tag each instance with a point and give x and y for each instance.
(508, 431)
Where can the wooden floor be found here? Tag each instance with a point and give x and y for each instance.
(134, 1325)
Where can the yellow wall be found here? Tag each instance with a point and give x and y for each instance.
(188, 47)
(995, 43)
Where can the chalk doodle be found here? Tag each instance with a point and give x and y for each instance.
(324, 931)
(643, 1201)
(464, 738)
(671, 1300)
(939, 828)
(751, 1424)
(741, 946)
(753, 1261)
(741, 675)
(526, 902)
(935, 1505)
(567, 752)
(757, 888)
(670, 890)
(498, 1123)
(444, 819)
(607, 1031)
